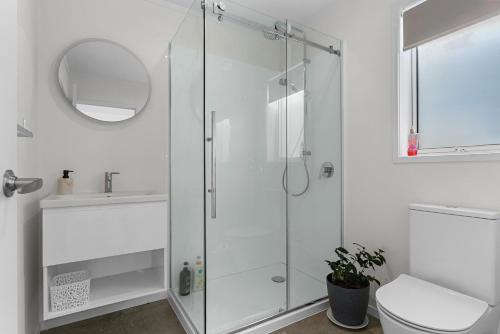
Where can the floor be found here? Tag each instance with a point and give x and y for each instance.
(154, 318)
(230, 307)
(159, 318)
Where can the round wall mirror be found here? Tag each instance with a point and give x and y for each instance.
(104, 80)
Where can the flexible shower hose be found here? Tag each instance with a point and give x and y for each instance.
(283, 180)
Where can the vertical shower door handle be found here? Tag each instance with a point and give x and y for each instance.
(213, 177)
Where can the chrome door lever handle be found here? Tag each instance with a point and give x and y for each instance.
(11, 184)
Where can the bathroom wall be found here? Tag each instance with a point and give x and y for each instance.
(377, 190)
(28, 207)
(137, 148)
(66, 140)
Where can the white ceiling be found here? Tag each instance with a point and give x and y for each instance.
(297, 10)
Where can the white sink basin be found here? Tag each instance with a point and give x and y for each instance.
(102, 195)
(88, 199)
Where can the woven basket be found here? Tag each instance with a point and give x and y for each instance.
(69, 291)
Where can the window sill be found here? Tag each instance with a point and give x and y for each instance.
(451, 157)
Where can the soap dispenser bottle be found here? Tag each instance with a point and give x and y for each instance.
(412, 143)
(65, 184)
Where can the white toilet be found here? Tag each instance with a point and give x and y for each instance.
(454, 281)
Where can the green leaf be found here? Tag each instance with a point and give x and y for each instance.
(341, 250)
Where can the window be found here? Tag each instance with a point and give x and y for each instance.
(449, 92)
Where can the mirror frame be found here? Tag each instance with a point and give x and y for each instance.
(63, 95)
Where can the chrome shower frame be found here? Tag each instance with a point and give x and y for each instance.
(219, 10)
(291, 315)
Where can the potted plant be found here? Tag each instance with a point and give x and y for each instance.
(349, 284)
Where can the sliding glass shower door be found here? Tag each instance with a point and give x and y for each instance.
(255, 166)
(314, 161)
(246, 155)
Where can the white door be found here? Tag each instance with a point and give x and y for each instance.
(8, 159)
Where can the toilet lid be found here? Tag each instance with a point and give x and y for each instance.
(430, 306)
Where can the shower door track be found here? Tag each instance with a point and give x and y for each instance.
(295, 314)
(222, 15)
(267, 325)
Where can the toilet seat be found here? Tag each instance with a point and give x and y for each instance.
(429, 307)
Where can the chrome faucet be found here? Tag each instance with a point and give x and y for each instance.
(108, 181)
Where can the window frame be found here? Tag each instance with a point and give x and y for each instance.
(407, 112)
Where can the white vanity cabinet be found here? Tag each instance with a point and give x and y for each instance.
(120, 240)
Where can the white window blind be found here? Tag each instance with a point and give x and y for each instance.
(432, 19)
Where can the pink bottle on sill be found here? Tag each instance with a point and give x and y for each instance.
(412, 143)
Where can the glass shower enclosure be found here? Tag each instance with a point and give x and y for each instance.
(256, 165)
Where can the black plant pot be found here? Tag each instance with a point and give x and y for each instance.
(349, 306)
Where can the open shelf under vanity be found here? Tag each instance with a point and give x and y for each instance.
(111, 288)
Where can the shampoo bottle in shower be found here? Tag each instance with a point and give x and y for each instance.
(185, 280)
(199, 275)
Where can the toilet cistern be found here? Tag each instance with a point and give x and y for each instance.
(108, 181)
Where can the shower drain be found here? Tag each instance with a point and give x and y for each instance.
(278, 279)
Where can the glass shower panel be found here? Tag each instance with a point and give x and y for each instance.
(245, 110)
(314, 145)
(187, 162)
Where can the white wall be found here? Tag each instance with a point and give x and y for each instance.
(377, 191)
(66, 140)
(137, 148)
(27, 167)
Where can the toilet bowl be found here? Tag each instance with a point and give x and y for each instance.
(454, 280)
